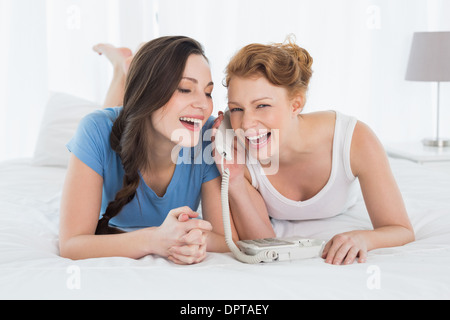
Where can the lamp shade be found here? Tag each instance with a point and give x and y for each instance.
(429, 59)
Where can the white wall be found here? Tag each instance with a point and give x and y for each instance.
(360, 50)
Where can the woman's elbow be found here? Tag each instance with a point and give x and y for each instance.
(68, 250)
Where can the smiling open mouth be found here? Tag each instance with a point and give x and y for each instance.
(259, 141)
(191, 123)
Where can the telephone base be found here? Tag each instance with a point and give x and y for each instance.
(284, 249)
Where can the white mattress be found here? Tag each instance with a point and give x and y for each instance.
(30, 267)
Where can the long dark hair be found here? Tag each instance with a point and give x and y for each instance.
(153, 77)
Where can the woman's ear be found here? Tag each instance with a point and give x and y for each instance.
(297, 104)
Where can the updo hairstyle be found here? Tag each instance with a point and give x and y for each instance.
(282, 64)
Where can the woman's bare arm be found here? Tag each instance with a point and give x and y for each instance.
(383, 201)
(80, 208)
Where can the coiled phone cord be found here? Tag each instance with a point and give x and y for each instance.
(263, 256)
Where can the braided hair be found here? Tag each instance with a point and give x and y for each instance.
(153, 77)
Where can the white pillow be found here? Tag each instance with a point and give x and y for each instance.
(60, 121)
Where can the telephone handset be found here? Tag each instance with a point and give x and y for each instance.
(260, 250)
(225, 137)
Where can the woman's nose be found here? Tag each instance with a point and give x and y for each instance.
(249, 121)
(201, 101)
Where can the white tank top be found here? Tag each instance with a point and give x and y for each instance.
(339, 194)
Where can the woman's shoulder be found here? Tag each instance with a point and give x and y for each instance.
(91, 143)
(320, 126)
(362, 133)
(328, 119)
(322, 115)
(366, 148)
(321, 118)
(99, 123)
(96, 127)
(103, 117)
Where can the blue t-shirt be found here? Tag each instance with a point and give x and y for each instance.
(195, 166)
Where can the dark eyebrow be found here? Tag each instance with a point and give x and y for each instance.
(190, 79)
(196, 81)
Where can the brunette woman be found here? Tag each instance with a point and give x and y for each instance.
(134, 165)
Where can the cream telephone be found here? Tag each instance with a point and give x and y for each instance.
(260, 250)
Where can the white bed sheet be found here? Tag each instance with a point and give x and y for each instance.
(30, 267)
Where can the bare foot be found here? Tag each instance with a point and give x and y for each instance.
(119, 57)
